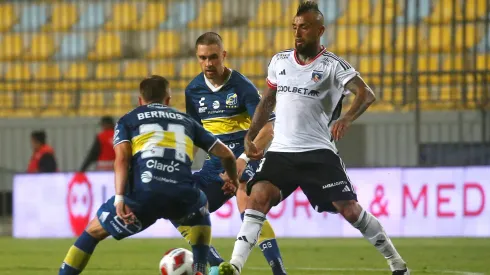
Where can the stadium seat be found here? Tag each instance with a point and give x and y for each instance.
(231, 40)
(74, 75)
(167, 45)
(11, 47)
(483, 65)
(407, 40)
(188, 71)
(453, 66)
(73, 46)
(466, 37)
(164, 68)
(90, 101)
(356, 12)
(8, 17)
(92, 18)
(123, 100)
(444, 11)
(264, 16)
(253, 68)
(105, 75)
(180, 14)
(450, 95)
(62, 100)
(209, 16)
(474, 9)
(32, 17)
(45, 76)
(132, 75)
(346, 40)
(63, 16)
(375, 41)
(32, 100)
(414, 14)
(107, 46)
(330, 9)
(42, 47)
(393, 96)
(17, 77)
(393, 72)
(124, 17)
(153, 15)
(178, 101)
(370, 69)
(283, 39)
(428, 66)
(286, 19)
(255, 44)
(440, 38)
(389, 9)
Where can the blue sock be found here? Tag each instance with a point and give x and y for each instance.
(214, 258)
(78, 255)
(270, 249)
(200, 252)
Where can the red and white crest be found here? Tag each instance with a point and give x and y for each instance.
(79, 202)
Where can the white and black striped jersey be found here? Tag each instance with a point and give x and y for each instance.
(308, 99)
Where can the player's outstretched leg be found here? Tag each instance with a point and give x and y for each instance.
(79, 254)
(373, 231)
(261, 199)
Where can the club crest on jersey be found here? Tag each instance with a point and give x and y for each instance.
(231, 100)
(316, 76)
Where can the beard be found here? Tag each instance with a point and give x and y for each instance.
(306, 49)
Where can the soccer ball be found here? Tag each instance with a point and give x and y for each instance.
(177, 261)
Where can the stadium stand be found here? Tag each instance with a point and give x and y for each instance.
(87, 57)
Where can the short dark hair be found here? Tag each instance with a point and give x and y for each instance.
(107, 120)
(308, 6)
(154, 88)
(39, 136)
(209, 38)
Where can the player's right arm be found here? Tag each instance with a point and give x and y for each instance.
(211, 144)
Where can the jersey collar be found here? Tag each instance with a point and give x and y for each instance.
(301, 63)
(212, 87)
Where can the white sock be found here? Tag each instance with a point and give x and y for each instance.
(373, 231)
(247, 237)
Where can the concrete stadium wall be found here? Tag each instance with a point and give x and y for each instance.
(381, 139)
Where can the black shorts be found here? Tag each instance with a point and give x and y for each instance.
(320, 174)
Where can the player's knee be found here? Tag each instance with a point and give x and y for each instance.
(350, 210)
(263, 196)
(96, 230)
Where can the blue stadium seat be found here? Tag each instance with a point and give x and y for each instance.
(424, 10)
(93, 17)
(330, 9)
(180, 14)
(32, 17)
(73, 46)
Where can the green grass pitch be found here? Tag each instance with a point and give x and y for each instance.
(433, 256)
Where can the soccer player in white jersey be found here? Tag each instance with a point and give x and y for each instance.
(306, 87)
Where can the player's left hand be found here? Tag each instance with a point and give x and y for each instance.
(227, 187)
(340, 128)
(252, 151)
(125, 213)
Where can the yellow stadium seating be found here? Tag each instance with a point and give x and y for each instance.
(123, 100)
(7, 17)
(474, 9)
(356, 12)
(105, 73)
(466, 37)
(167, 45)
(124, 16)
(42, 47)
(165, 69)
(209, 15)
(483, 64)
(428, 66)
(450, 94)
(32, 100)
(283, 39)
(11, 47)
(62, 100)
(392, 95)
(45, 76)
(178, 101)
(407, 39)
(63, 16)
(287, 19)
(18, 76)
(75, 73)
(395, 69)
(231, 40)
(346, 40)
(444, 11)
(154, 14)
(133, 73)
(370, 68)
(439, 39)
(265, 14)
(6, 104)
(374, 41)
(91, 104)
(253, 68)
(455, 64)
(254, 44)
(390, 12)
(188, 71)
(107, 46)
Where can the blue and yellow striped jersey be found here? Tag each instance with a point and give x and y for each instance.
(227, 112)
(162, 140)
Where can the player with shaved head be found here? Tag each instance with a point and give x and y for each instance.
(306, 88)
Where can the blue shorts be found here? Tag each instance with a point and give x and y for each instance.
(208, 180)
(148, 207)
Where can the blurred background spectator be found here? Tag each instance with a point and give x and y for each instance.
(43, 159)
(102, 152)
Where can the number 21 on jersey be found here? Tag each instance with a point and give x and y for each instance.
(153, 140)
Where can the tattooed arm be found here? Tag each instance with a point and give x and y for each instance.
(262, 113)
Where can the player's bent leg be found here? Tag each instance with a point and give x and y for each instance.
(373, 231)
(79, 253)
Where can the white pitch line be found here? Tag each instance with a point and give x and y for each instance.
(369, 270)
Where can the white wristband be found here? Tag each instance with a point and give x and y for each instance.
(118, 199)
(244, 157)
